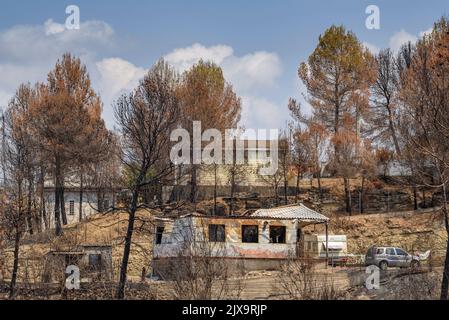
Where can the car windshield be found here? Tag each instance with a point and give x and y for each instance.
(400, 252)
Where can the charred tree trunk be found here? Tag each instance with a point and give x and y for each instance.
(62, 203)
(193, 184)
(415, 197)
(445, 281)
(58, 226)
(298, 176)
(113, 199)
(423, 198)
(276, 194)
(81, 196)
(231, 209)
(37, 217)
(42, 197)
(12, 285)
(285, 183)
(362, 196)
(29, 214)
(128, 241)
(320, 190)
(393, 130)
(348, 196)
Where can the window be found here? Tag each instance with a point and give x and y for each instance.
(159, 233)
(277, 234)
(400, 252)
(105, 204)
(390, 251)
(217, 233)
(71, 259)
(380, 251)
(95, 261)
(71, 207)
(250, 234)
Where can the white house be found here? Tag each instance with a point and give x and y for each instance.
(93, 201)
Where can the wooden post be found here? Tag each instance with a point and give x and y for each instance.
(327, 245)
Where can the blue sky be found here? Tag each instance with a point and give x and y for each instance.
(259, 44)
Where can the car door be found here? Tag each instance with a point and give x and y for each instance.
(402, 257)
(392, 257)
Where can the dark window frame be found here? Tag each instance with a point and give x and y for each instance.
(283, 235)
(214, 235)
(95, 261)
(71, 207)
(254, 237)
(105, 204)
(159, 234)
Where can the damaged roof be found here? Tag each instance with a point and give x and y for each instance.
(300, 212)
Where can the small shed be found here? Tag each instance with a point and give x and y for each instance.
(93, 260)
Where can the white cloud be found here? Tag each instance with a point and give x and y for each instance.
(253, 71)
(251, 75)
(4, 98)
(371, 47)
(261, 113)
(48, 41)
(116, 76)
(184, 58)
(28, 53)
(426, 32)
(248, 72)
(399, 38)
(52, 27)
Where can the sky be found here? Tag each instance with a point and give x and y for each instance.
(259, 44)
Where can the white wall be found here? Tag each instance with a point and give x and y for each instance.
(89, 205)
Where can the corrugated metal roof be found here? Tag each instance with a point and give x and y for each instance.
(300, 212)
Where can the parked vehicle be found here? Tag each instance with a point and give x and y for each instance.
(315, 246)
(385, 257)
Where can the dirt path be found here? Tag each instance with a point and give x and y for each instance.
(267, 286)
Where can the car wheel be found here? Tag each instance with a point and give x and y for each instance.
(383, 265)
(414, 264)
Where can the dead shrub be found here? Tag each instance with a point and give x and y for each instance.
(416, 286)
(298, 280)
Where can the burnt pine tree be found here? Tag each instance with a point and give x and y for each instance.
(66, 121)
(338, 76)
(145, 119)
(207, 97)
(425, 120)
